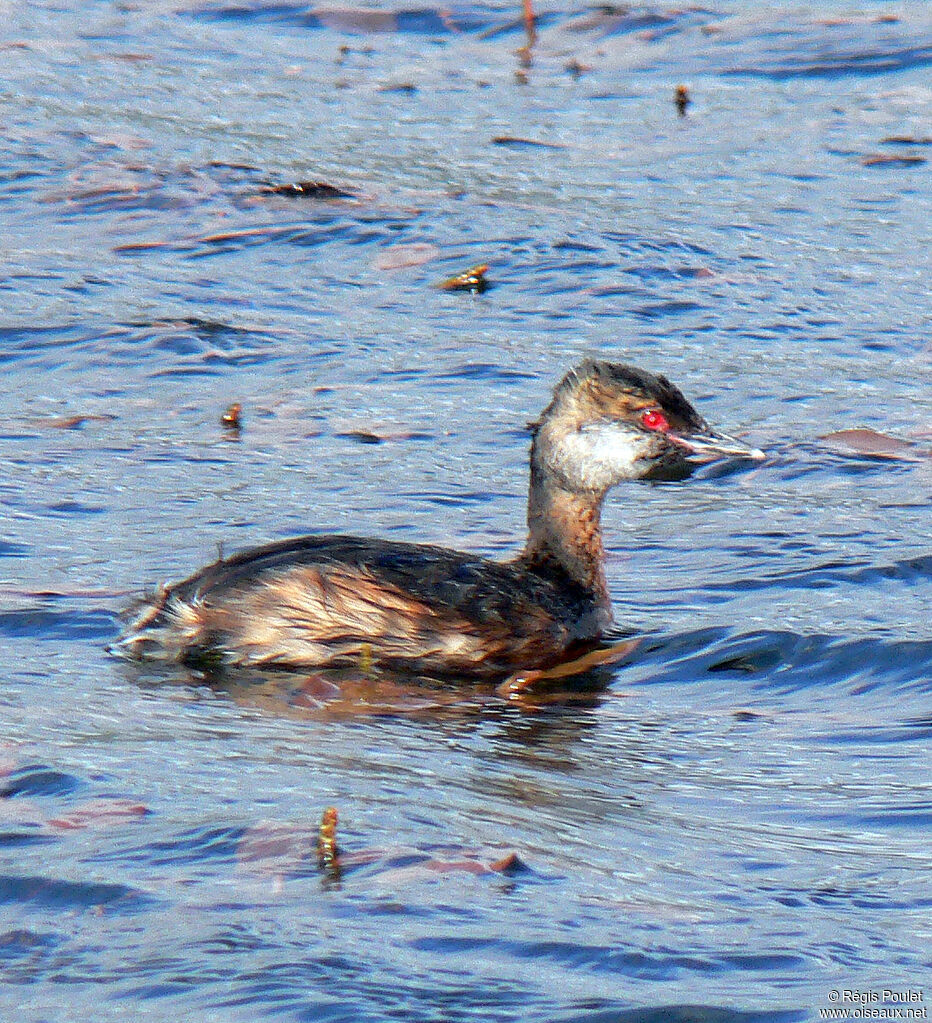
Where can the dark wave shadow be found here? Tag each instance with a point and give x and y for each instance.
(785, 661)
(685, 1014)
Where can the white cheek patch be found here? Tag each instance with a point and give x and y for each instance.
(598, 456)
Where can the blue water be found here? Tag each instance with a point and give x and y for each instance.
(726, 828)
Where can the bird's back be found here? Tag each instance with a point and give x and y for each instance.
(322, 600)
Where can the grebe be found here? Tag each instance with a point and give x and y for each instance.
(342, 600)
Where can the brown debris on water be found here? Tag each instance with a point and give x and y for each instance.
(510, 863)
(892, 160)
(327, 851)
(307, 190)
(367, 432)
(278, 850)
(100, 813)
(906, 140)
(446, 863)
(576, 68)
(864, 441)
(232, 418)
(361, 436)
(472, 280)
(141, 246)
(525, 53)
(530, 22)
(681, 99)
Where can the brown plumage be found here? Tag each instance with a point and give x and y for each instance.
(342, 600)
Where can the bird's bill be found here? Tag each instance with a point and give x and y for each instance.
(706, 447)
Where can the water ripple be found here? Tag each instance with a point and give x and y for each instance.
(719, 829)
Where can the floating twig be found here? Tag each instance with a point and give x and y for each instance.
(525, 56)
(893, 160)
(906, 140)
(327, 851)
(530, 22)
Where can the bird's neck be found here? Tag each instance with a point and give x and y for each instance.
(564, 532)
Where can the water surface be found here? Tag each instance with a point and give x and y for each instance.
(725, 828)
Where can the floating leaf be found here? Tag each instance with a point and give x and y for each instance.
(427, 868)
(869, 442)
(100, 813)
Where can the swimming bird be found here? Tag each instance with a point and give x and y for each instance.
(345, 600)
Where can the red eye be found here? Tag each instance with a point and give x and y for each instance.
(654, 419)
